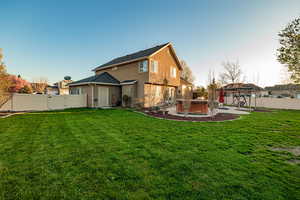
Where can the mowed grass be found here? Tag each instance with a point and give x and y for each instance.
(120, 154)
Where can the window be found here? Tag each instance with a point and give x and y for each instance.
(143, 66)
(173, 72)
(76, 91)
(154, 66)
(157, 91)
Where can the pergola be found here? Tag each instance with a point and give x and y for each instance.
(241, 94)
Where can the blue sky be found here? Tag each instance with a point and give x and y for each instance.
(57, 38)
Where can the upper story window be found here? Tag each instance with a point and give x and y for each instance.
(143, 66)
(154, 66)
(173, 72)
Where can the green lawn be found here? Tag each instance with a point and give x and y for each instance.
(119, 154)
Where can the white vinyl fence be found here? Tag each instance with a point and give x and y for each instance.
(37, 102)
(268, 102)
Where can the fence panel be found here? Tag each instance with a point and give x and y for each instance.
(36, 102)
(277, 103)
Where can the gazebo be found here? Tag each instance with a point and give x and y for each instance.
(241, 94)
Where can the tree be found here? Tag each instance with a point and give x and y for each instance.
(232, 73)
(39, 85)
(289, 50)
(187, 73)
(26, 90)
(285, 76)
(200, 92)
(4, 81)
(212, 96)
(17, 83)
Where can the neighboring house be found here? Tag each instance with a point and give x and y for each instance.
(52, 90)
(63, 87)
(144, 77)
(59, 88)
(284, 90)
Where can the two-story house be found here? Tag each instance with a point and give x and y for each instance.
(144, 77)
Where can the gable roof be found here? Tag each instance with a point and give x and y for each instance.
(104, 78)
(134, 56)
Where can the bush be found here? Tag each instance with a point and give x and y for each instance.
(126, 100)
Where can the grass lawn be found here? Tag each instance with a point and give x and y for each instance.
(119, 154)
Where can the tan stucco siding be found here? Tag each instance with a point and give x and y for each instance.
(165, 60)
(129, 72)
(113, 94)
(155, 94)
(85, 89)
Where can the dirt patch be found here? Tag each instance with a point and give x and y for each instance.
(4, 114)
(294, 150)
(7, 114)
(218, 117)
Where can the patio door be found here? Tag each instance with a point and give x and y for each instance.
(103, 96)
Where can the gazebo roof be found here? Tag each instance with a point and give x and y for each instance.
(242, 87)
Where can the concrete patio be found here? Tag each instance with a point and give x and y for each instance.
(227, 109)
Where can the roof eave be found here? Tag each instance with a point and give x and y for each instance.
(122, 63)
(174, 53)
(97, 83)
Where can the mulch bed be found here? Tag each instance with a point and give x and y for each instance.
(4, 114)
(218, 117)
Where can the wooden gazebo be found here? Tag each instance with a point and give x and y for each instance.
(241, 94)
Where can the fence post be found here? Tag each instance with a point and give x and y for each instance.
(12, 102)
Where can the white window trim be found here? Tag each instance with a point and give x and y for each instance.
(173, 72)
(143, 67)
(153, 67)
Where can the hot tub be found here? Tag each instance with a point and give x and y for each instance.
(197, 107)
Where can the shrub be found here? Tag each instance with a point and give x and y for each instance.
(126, 100)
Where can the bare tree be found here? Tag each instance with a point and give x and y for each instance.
(186, 72)
(232, 73)
(212, 96)
(39, 84)
(256, 78)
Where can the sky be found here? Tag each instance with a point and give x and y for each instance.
(56, 38)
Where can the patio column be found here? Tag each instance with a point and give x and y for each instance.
(92, 87)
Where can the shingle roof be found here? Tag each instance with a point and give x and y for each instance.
(133, 56)
(101, 78)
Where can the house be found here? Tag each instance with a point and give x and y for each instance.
(284, 90)
(141, 79)
(63, 87)
(59, 88)
(52, 90)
